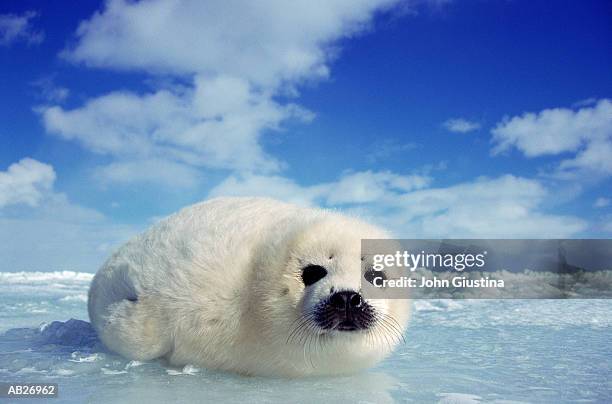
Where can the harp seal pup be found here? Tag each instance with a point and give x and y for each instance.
(248, 285)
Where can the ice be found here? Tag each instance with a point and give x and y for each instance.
(456, 351)
(72, 333)
(187, 370)
(458, 398)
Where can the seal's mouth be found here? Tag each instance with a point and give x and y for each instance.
(347, 325)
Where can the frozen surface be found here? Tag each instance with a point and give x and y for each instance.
(456, 351)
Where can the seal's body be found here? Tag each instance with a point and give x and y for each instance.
(249, 285)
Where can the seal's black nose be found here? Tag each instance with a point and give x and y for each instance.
(345, 300)
(346, 310)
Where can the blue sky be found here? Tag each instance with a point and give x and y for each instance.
(431, 118)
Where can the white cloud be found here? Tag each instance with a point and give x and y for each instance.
(370, 187)
(58, 235)
(164, 172)
(40, 229)
(239, 58)
(594, 157)
(47, 90)
(585, 102)
(586, 133)
(384, 149)
(25, 182)
(262, 42)
(601, 202)
(217, 124)
(506, 206)
(19, 28)
(276, 187)
(351, 188)
(461, 125)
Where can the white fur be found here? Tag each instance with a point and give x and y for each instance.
(218, 284)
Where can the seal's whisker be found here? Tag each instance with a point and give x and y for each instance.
(303, 321)
(390, 333)
(397, 330)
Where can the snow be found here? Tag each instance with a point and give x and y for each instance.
(456, 351)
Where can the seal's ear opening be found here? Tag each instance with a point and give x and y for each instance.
(312, 274)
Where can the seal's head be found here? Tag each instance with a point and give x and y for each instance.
(314, 300)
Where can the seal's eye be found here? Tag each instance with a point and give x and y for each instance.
(372, 274)
(312, 274)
